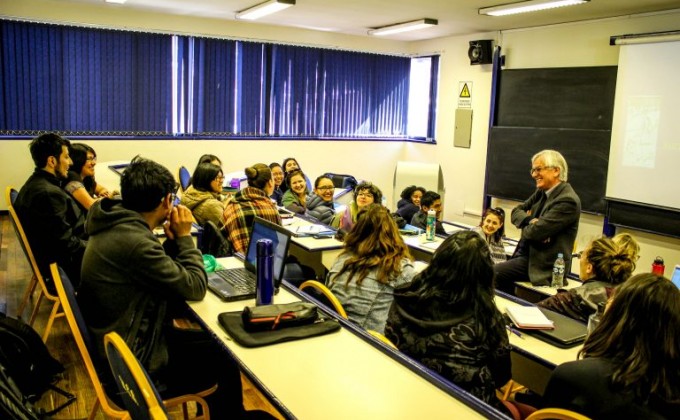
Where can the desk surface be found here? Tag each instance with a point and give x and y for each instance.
(334, 376)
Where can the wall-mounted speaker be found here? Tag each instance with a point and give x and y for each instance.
(480, 51)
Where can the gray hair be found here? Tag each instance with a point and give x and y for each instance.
(553, 159)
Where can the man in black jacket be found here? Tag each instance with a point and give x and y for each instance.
(54, 225)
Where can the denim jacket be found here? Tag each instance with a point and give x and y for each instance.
(369, 303)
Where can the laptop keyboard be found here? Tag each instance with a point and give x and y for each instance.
(239, 278)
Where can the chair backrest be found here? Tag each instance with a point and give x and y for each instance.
(320, 292)
(184, 177)
(140, 397)
(25, 246)
(556, 413)
(11, 195)
(76, 322)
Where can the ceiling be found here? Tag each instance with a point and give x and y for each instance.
(356, 17)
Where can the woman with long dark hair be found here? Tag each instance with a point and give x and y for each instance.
(203, 196)
(375, 260)
(630, 365)
(80, 183)
(446, 318)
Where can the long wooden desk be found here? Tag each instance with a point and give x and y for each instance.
(336, 376)
(316, 253)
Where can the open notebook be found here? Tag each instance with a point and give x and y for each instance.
(528, 317)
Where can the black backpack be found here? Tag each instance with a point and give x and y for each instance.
(28, 362)
(13, 405)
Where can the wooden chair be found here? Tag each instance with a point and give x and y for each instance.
(320, 292)
(183, 176)
(37, 278)
(82, 337)
(139, 395)
(556, 413)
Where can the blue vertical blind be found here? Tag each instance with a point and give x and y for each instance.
(84, 81)
(104, 82)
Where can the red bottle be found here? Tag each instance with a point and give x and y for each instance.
(657, 266)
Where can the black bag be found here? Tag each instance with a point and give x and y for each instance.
(13, 405)
(28, 361)
(272, 317)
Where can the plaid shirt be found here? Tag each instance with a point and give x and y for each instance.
(239, 214)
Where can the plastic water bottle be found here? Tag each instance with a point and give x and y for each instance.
(264, 292)
(430, 225)
(658, 266)
(558, 271)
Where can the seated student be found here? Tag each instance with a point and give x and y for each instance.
(628, 244)
(80, 181)
(430, 200)
(364, 194)
(603, 265)
(410, 202)
(630, 362)
(374, 261)
(207, 158)
(203, 195)
(446, 318)
(53, 222)
(320, 205)
(247, 203)
(289, 165)
(277, 174)
(135, 286)
(492, 229)
(295, 198)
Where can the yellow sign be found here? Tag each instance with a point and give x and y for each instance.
(465, 92)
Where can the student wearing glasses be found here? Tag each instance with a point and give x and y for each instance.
(629, 364)
(80, 181)
(295, 199)
(364, 194)
(492, 229)
(277, 174)
(203, 195)
(549, 222)
(603, 265)
(320, 205)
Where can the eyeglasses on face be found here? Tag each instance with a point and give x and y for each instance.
(539, 169)
(326, 187)
(91, 158)
(365, 194)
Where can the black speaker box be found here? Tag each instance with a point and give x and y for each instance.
(480, 52)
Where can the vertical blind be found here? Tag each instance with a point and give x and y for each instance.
(105, 82)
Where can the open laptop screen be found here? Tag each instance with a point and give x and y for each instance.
(676, 276)
(280, 238)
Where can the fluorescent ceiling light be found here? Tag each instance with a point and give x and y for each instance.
(404, 27)
(527, 6)
(670, 36)
(264, 9)
(116, 1)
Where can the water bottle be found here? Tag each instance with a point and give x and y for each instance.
(558, 271)
(430, 225)
(265, 280)
(658, 267)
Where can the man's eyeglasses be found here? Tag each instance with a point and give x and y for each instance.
(539, 169)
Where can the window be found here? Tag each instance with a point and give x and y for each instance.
(83, 81)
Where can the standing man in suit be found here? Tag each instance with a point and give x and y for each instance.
(53, 222)
(549, 222)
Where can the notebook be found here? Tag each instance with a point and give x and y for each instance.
(567, 333)
(675, 277)
(528, 317)
(239, 283)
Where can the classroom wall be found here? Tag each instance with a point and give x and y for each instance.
(567, 45)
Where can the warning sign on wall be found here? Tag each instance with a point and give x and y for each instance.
(464, 94)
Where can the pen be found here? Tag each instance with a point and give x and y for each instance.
(514, 331)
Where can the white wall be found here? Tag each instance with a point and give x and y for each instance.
(568, 45)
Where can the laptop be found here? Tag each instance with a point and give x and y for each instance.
(675, 278)
(567, 333)
(240, 283)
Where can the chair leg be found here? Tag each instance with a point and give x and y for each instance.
(27, 295)
(50, 320)
(36, 308)
(94, 410)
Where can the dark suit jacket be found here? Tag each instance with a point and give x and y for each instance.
(554, 232)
